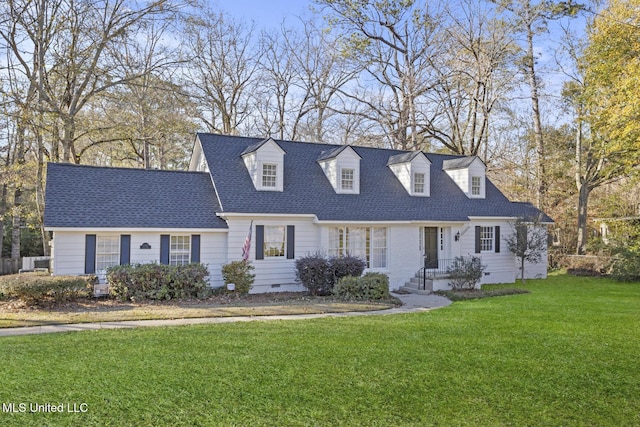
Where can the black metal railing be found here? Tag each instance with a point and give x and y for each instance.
(433, 269)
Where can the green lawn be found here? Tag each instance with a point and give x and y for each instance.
(568, 353)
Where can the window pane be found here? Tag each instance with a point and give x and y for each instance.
(475, 185)
(107, 251)
(378, 247)
(418, 183)
(347, 179)
(180, 250)
(269, 175)
(274, 241)
(486, 239)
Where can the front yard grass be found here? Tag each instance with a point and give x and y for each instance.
(564, 354)
(112, 311)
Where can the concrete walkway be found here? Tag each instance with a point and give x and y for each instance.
(410, 303)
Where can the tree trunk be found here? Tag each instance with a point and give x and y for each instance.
(583, 201)
(15, 231)
(541, 181)
(67, 139)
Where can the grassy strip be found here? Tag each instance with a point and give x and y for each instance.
(480, 293)
(565, 354)
(31, 317)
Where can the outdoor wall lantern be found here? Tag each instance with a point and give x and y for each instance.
(145, 246)
(457, 236)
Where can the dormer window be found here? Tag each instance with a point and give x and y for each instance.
(346, 182)
(341, 166)
(418, 183)
(265, 164)
(412, 169)
(476, 185)
(269, 175)
(469, 173)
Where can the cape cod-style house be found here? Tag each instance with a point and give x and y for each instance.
(403, 212)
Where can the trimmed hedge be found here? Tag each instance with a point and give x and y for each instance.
(39, 288)
(319, 273)
(158, 281)
(370, 287)
(626, 265)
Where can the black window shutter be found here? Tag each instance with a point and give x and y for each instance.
(125, 249)
(478, 247)
(90, 254)
(165, 242)
(291, 241)
(259, 241)
(497, 234)
(195, 248)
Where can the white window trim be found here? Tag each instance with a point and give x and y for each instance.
(110, 253)
(478, 187)
(353, 180)
(423, 183)
(275, 177)
(487, 239)
(181, 251)
(265, 252)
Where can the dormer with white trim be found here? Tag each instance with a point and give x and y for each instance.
(413, 170)
(341, 165)
(265, 164)
(469, 173)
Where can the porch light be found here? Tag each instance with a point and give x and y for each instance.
(457, 236)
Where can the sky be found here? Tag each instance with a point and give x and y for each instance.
(265, 13)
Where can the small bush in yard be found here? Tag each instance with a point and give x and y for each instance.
(239, 273)
(370, 287)
(626, 264)
(465, 273)
(35, 288)
(157, 281)
(315, 274)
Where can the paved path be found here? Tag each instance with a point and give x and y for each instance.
(410, 303)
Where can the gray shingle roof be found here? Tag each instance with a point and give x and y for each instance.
(332, 152)
(403, 158)
(89, 196)
(459, 163)
(382, 197)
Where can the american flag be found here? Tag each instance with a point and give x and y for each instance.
(246, 248)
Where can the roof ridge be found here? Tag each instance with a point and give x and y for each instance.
(74, 165)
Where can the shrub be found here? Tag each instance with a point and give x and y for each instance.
(314, 271)
(465, 273)
(585, 265)
(626, 264)
(343, 266)
(238, 273)
(319, 274)
(37, 288)
(157, 281)
(370, 287)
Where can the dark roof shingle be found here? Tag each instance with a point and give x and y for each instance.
(89, 196)
(308, 191)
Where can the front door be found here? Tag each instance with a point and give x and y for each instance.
(431, 247)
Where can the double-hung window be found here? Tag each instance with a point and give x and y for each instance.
(418, 183)
(269, 175)
(107, 252)
(486, 239)
(274, 241)
(347, 178)
(180, 250)
(476, 186)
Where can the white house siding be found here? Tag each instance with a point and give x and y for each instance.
(499, 265)
(405, 256)
(277, 274)
(67, 252)
(69, 249)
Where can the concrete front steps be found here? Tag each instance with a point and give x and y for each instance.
(414, 286)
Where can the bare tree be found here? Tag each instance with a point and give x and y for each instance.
(222, 63)
(528, 242)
